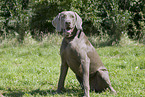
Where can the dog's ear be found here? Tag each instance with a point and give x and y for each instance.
(78, 21)
(56, 23)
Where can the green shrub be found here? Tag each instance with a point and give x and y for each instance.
(110, 18)
(43, 13)
(15, 17)
(136, 26)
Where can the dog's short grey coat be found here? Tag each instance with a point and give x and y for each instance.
(78, 53)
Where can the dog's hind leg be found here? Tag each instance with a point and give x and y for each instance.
(103, 80)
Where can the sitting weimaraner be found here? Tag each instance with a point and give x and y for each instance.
(78, 53)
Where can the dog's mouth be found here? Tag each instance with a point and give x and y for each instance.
(68, 31)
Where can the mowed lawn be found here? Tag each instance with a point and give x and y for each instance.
(29, 70)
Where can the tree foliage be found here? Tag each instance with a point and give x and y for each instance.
(14, 17)
(101, 17)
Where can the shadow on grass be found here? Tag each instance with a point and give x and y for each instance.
(67, 92)
(37, 92)
(33, 92)
(42, 92)
(14, 94)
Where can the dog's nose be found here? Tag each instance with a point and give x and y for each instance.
(68, 23)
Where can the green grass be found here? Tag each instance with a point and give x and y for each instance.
(32, 69)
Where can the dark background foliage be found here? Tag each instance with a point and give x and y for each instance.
(101, 17)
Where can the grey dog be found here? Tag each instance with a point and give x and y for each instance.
(78, 53)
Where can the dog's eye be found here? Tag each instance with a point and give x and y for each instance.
(72, 16)
(63, 16)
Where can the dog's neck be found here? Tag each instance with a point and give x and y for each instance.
(76, 32)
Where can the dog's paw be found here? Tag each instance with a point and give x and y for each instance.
(113, 92)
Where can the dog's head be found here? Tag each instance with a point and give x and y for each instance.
(66, 21)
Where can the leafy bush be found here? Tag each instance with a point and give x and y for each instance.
(102, 17)
(43, 13)
(136, 26)
(15, 17)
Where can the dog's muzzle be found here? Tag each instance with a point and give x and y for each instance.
(68, 29)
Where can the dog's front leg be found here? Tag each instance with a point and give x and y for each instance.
(85, 62)
(63, 73)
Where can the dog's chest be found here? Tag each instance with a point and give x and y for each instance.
(76, 47)
(73, 55)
